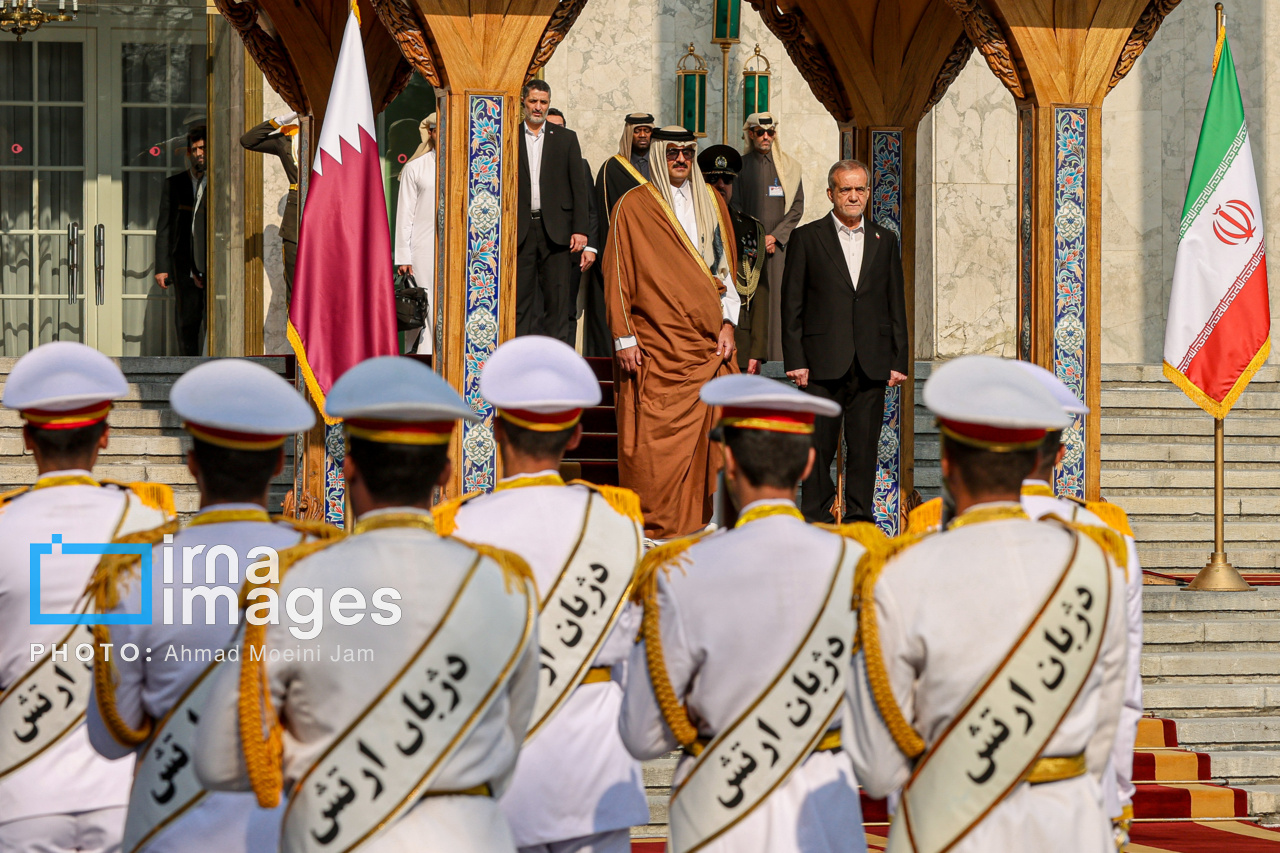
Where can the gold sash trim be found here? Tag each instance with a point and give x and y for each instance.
(598, 675)
(481, 790)
(65, 480)
(1056, 769)
(419, 520)
(532, 480)
(830, 742)
(225, 516)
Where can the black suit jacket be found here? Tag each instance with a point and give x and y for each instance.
(178, 251)
(826, 324)
(564, 187)
(264, 139)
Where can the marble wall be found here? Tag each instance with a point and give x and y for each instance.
(621, 55)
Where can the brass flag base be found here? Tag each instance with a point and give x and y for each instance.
(1219, 576)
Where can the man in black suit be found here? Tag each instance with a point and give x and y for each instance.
(581, 263)
(554, 218)
(844, 335)
(181, 243)
(279, 136)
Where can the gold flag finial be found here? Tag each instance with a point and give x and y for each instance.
(1220, 35)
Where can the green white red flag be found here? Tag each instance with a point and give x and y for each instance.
(1219, 329)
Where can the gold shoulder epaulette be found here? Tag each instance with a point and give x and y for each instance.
(1109, 540)
(103, 592)
(445, 513)
(868, 639)
(515, 570)
(1114, 516)
(864, 533)
(624, 501)
(926, 517)
(314, 529)
(5, 497)
(663, 558)
(153, 495)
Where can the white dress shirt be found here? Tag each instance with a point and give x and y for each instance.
(851, 243)
(533, 147)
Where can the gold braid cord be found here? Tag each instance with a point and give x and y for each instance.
(445, 513)
(261, 735)
(624, 501)
(906, 737)
(662, 559)
(103, 593)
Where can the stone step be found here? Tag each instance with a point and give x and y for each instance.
(1211, 635)
(1118, 427)
(1147, 454)
(1143, 373)
(1164, 603)
(1243, 767)
(1200, 531)
(1241, 732)
(1211, 667)
(1176, 479)
(1204, 699)
(1156, 557)
(1170, 399)
(1163, 507)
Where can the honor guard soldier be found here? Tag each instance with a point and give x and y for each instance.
(1039, 501)
(746, 642)
(576, 788)
(152, 678)
(989, 677)
(391, 699)
(56, 793)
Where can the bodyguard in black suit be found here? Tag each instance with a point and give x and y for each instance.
(181, 243)
(552, 225)
(844, 335)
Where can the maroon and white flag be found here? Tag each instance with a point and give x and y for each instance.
(343, 309)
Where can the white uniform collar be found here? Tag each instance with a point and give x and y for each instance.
(545, 472)
(232, 506)
(69, 472)
(767, 502)
(1032, 481)
(389, 510)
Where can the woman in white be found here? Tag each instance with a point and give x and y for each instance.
(416, 223)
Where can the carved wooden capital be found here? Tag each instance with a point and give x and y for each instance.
(987, 36)
(808, 56)
(1143, 32)
(402, 22)
(562, 20)
(267, 51)
(950, 70)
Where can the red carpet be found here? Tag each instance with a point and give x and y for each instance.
(1172, 807)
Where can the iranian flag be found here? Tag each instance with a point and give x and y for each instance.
(1219, 328)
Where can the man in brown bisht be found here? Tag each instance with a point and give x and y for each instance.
(671, 307)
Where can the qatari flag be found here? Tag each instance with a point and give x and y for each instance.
(343, 308)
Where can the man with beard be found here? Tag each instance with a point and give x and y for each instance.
(182, 242)
(770, 189)
(672, 306)
(720, 165)
(626, 169)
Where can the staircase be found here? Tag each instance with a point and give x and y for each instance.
(597, 454)
(146, 440)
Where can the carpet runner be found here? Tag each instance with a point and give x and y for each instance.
(1177, 809)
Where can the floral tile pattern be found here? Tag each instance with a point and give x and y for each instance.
(886, 211)
(1026, 119)
(335, 487)
(484, 230)
(1071, 130)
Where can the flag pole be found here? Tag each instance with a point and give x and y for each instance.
(1219, 575)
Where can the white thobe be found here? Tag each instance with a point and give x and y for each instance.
(732, 615)
(68, 777)
(1117, 786)
(416, 232)
(576, 777)
(318, 699)
(949, 610)
(151, 685)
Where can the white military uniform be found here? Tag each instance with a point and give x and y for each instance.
(1117, 786)
(69, 780)
(950, 611)
(575, 779)
(151, 685)
(319, 697)
(731, 614)
(68, 797)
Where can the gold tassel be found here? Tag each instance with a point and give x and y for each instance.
(660, 557)
(926, 517)
(445, 513)
(261, 735)
(314, 529)
(868, 637)
(624, 501)
(1114, 516)
(1111, 542)
(674, 713)
(103, 593)
(153, 495)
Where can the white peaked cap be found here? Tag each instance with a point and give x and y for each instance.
(993, 403)
(237, 398)
(395, 388)
(1066, 398)
(755, 402)
(539, 374)
(63, 376)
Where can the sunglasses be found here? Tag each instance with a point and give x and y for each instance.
(763, 131)
(674, 154)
